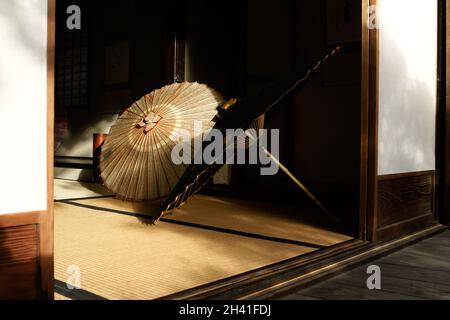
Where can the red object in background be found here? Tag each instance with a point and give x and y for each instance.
(99, 139)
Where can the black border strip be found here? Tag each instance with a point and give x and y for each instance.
(67, 165)
(83, 198)
(200, 226)
(75, 294)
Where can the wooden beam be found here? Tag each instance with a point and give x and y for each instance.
(369, 126)
(46, 218)
(444, 136)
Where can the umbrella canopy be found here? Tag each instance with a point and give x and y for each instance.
(135, 162)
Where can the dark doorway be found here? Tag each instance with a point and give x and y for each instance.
(236, 47)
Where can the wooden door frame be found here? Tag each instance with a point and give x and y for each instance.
(443, 116)
(369, 126)
(46, 221)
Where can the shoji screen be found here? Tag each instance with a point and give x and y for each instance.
(407, 101)
(23, 106)
(26, 134)
(407, 85)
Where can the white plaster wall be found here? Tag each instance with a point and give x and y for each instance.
(78, 141)
(82, 127)
(23, 105)
(407, 92)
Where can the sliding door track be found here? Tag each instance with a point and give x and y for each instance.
(299, 272)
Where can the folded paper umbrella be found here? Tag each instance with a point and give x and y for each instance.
(242, 114)
(135, 162)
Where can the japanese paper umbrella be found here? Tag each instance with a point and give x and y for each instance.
(135, 162)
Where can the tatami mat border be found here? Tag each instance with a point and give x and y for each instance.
(199, 226)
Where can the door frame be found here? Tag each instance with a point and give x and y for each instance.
(369, 188)
(443, 116)
(369, 126)
(46, 221)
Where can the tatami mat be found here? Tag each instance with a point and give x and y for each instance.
(61, 297)
(121, 258)
(270, 220)
(67, 189)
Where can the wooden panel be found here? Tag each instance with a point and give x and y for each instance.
(19, 219)
(405, 203)
(19, 268)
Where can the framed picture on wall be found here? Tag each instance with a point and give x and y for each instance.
(117, 61)
(343, 21)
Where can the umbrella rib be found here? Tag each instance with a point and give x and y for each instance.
(188, 104)
(176, 94)
(152, 172)
(120, 160)
(155, 170)
(120, 144)
(148, 103)
(131, 111)
(163, 167)
(133, 188)
(168, 158)
(191, 96)
(130, 168)
(139, 107)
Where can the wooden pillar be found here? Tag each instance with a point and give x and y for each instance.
(445, 124)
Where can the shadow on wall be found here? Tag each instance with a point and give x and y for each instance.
(78, 141)
(84, 175)
(17, 28)
(407, 115)
(82, 126)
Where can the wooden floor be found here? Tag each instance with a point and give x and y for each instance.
(419, 272)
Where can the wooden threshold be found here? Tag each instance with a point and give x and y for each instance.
(228, 286)
(341, 263)
(293, 274)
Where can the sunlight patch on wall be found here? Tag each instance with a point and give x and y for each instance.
(407, 85)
